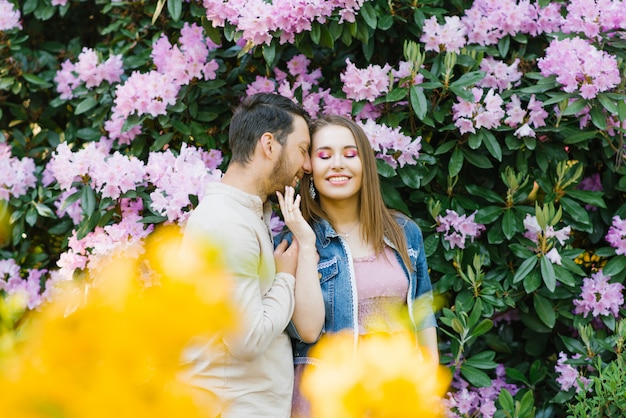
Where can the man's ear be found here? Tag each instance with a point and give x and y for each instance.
(268, 144)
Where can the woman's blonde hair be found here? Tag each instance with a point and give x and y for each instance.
(377, 221)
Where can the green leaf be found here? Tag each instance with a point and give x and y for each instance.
(547, 273)
(487, 194)
(396, 95)
(484, 362)
(418, 102)
(506, 400)
(31, 216)
(503, 46)
(468, 79)
(88, 200)
(482, 328)
(487, 215)
(269, 53)
(385, 169)
(475, 377)
(509, 224)
(532, 281)
(153, 219)
(175, 8)
(369, 14)
(574, 107)
(614, 266)
(578, 215)
(588, 197)
(44, 210)
(385, 21)
(86, 105)
(456, 162)
(544, 310)
(515, 374)
(477, 160)
(607, 103)
(475, 140)
(492, 145)
(445, 147)
(598, 118)
(162, 141)
(33, 79)
(525, 268)
(573, 345)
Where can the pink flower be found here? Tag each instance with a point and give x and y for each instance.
(599, 297)
(499, 75)
(579, 66)
(366, 84)
(17, 176)
(447, 37)
(9, 16)
(569, 377)
(457, 228)
(616, 236)
(388, 142)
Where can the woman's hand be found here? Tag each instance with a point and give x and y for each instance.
(299, 227)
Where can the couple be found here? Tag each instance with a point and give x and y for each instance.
(344, 262)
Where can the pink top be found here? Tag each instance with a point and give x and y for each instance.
(382, 288)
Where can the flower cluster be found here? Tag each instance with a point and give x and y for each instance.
(178, 177)
(365, 84)
(569, 377)
(466, 401)
(92, 251)
(457, 228)
(391, 145)
(89, 71)
(110, 175)
(599, 297)
(593, 17)
(616, 236)
(545, 239)
(9, 16)
(487, 22)
(447, 37)
(152, 92)
(498, 75)
(12, 283)
(580, 67)
(258, 20)
(481, 113)
(16, 175)
(533, 116)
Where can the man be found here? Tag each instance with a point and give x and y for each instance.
(251, 371)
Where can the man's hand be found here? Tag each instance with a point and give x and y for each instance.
(286, 257)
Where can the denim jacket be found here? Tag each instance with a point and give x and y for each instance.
(338, 284)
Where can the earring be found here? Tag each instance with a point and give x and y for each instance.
(312, 189)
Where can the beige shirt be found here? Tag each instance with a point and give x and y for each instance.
(251, 372)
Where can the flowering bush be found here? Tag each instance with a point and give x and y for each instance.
(497, 126)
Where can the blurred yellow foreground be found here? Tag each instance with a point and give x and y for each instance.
(109, 346)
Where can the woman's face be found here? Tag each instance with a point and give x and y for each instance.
(336, 164)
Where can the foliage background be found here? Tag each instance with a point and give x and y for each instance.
(507, 307)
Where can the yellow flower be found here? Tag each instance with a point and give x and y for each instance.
(110, 346)
(386, 376)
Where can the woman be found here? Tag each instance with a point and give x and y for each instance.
(371, 260)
